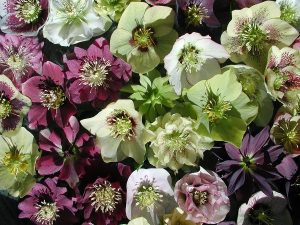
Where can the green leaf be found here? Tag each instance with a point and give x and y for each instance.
(145, 81)
(136, 96)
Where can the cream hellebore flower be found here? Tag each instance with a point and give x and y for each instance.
(252, 31)
(175, 142)
(290, 11)
(119, 131)
(144, 36)
(73, 21)
(138, 221)
(18, 154)
(193, 58)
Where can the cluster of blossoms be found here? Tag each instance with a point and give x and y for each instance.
(154, 112)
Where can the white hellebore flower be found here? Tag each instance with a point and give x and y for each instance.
(119, 131)
(193, 58)
(73, 21)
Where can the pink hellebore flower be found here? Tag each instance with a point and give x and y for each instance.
(203, 197)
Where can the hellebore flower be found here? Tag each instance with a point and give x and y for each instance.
(73, 21)
(219, 99)
(254, 87)
(67, 154)
(149, 195)
(175, 142)
(252, 31)
(48, 95)
(13, 106)
(286, 131)
(290, 12)
(20, 57)
(18, 153)
(144, 36)
(23, 17)
(119, 131)
(46, 203)
(198, 12)
(250, 162)
(178, 216)
(203, 197)
(296, 44)
(262, 209)
(138, 221)
(95, 75)
(193, 58)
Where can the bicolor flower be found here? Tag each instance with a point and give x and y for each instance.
(47, 204)
(144, 35)
(73, 21)
(48, 95)
(13, 106)
(149, 195)
(252, 31)
(175, 142)
(193, 58)
(20, 57)
(68, 152)
(203, 197)
(95, 75)
(18, 154)
(23, 17)
(290, 12)
(119, 131)
(198, 12)
(219, 99)
(262, 209)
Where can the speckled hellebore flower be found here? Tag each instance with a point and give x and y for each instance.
(219, 99)
(13, 106)
(203, 197)
(73, 21)
(144, 36)
(175, 142)
(286, 132)
(23, 17)
(290, 12)
(254, 87)
(95, 75)
(48, 96)
(149, 195)
(252, 31)
(46, 204)
(198, 12)
(249, 162)
(193, 58)
(282, 76)
(178, 216)
(265, 210)
(18, 153)
(119, 131)
(20, 57)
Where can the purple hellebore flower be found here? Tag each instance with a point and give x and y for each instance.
(67, 154)
(95, 75)
(49, 98)
(247, 3)
(20, 57)
(47, 204)
(198, 12)
(250, 161)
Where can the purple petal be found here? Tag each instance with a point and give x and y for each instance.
(274, 152)
(50, 164)
(263, 184)
(287, 168)
(233, 152)
(236, 181)
(259, 141)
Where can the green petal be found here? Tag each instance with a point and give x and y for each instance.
(120, 43)
(165, 44)
(134, 149)
(265, 109)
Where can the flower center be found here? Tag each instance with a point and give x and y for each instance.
(253, 38)
(105, 198)
(176, 141)
(53, 99)
(74, 10)
(47, 213)
(261, 214)
(190, 58)
(200, 197)
(288, 13)
(5, 107)
(94, 73)
(288, 134)
(195, 13)
(147, 195)
(16, 62)
(122, 125)
(143, 37)
(28, 10)
(247, 163)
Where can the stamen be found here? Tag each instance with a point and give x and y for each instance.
(53, 99)
(190, 58)
(200, 197)
(176, 141)
(5, 107)
(147, 195)
(288, 12)
(195, 14)
(47, 213)
(28, 10)
(143, 37)
(16, 62)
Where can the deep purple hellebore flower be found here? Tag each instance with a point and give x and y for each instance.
(47, 204)
(250, 161)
